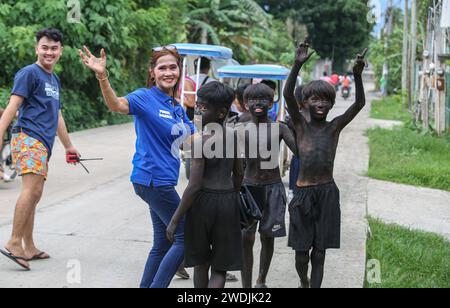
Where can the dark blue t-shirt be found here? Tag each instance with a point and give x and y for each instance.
(161, 126)
(39, 113)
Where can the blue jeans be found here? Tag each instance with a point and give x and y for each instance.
(165, 257)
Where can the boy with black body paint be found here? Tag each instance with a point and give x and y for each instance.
(244, 116)
(295, 162)
(315, 214)
(211, 200)
(265, 185)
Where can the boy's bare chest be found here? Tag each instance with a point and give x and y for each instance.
(263, 137)
(318, 142)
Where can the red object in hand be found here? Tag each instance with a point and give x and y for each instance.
(72, 158)
(75, 159)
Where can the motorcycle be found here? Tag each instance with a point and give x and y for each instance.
(345, 93)
(6, 162)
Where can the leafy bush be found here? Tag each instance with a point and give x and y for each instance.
(128, 30)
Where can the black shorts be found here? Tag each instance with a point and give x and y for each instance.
(315, 216)
(271, 200)
(213, 231)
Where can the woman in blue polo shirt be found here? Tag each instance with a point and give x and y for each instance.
(161, 125)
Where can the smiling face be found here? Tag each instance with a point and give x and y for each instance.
(166, 73)
(319, 97)
(48, 53)
(319, 108)
(258, 100)
(259, 107)
(208, 113)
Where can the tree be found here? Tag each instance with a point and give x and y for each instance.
(241, 25)
(338, 28)
(126, 29)
(394, 53)
(282, 9)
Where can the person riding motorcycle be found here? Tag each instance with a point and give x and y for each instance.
(346, 83)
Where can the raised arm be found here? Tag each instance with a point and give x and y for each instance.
(342, 121)
(301, 58)
(98, 66)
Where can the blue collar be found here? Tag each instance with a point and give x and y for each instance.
(163, 97)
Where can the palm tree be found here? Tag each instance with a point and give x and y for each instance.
(237, 23)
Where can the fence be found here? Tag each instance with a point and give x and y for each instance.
(432, 103)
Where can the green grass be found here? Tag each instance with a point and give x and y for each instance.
(404, 156)
(409, 259)
(390, 108)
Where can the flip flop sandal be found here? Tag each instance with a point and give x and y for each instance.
(15, 259)
(39, 257)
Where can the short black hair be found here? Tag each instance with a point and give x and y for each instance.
(258, 91)
(321, 89)
(50, 33)
(240, 92)
(270, 83)
(204, 65)
(217, 94)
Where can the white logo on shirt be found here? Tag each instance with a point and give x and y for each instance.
(52, 91)
(165, 114)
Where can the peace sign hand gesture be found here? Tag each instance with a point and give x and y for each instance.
(302, 55)
(360, 63)
(97, 65)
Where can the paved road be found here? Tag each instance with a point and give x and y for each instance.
(96, 224)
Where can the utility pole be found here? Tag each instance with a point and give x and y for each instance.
(387, 34)
(439, 71)
(405, 52)
(413, 53)
(424, 97)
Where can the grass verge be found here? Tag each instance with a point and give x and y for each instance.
(408, 259)
(390, 108)
(404, 156)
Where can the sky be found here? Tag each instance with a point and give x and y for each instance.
(381, 6)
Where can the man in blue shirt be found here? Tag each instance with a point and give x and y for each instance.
(36, 95)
